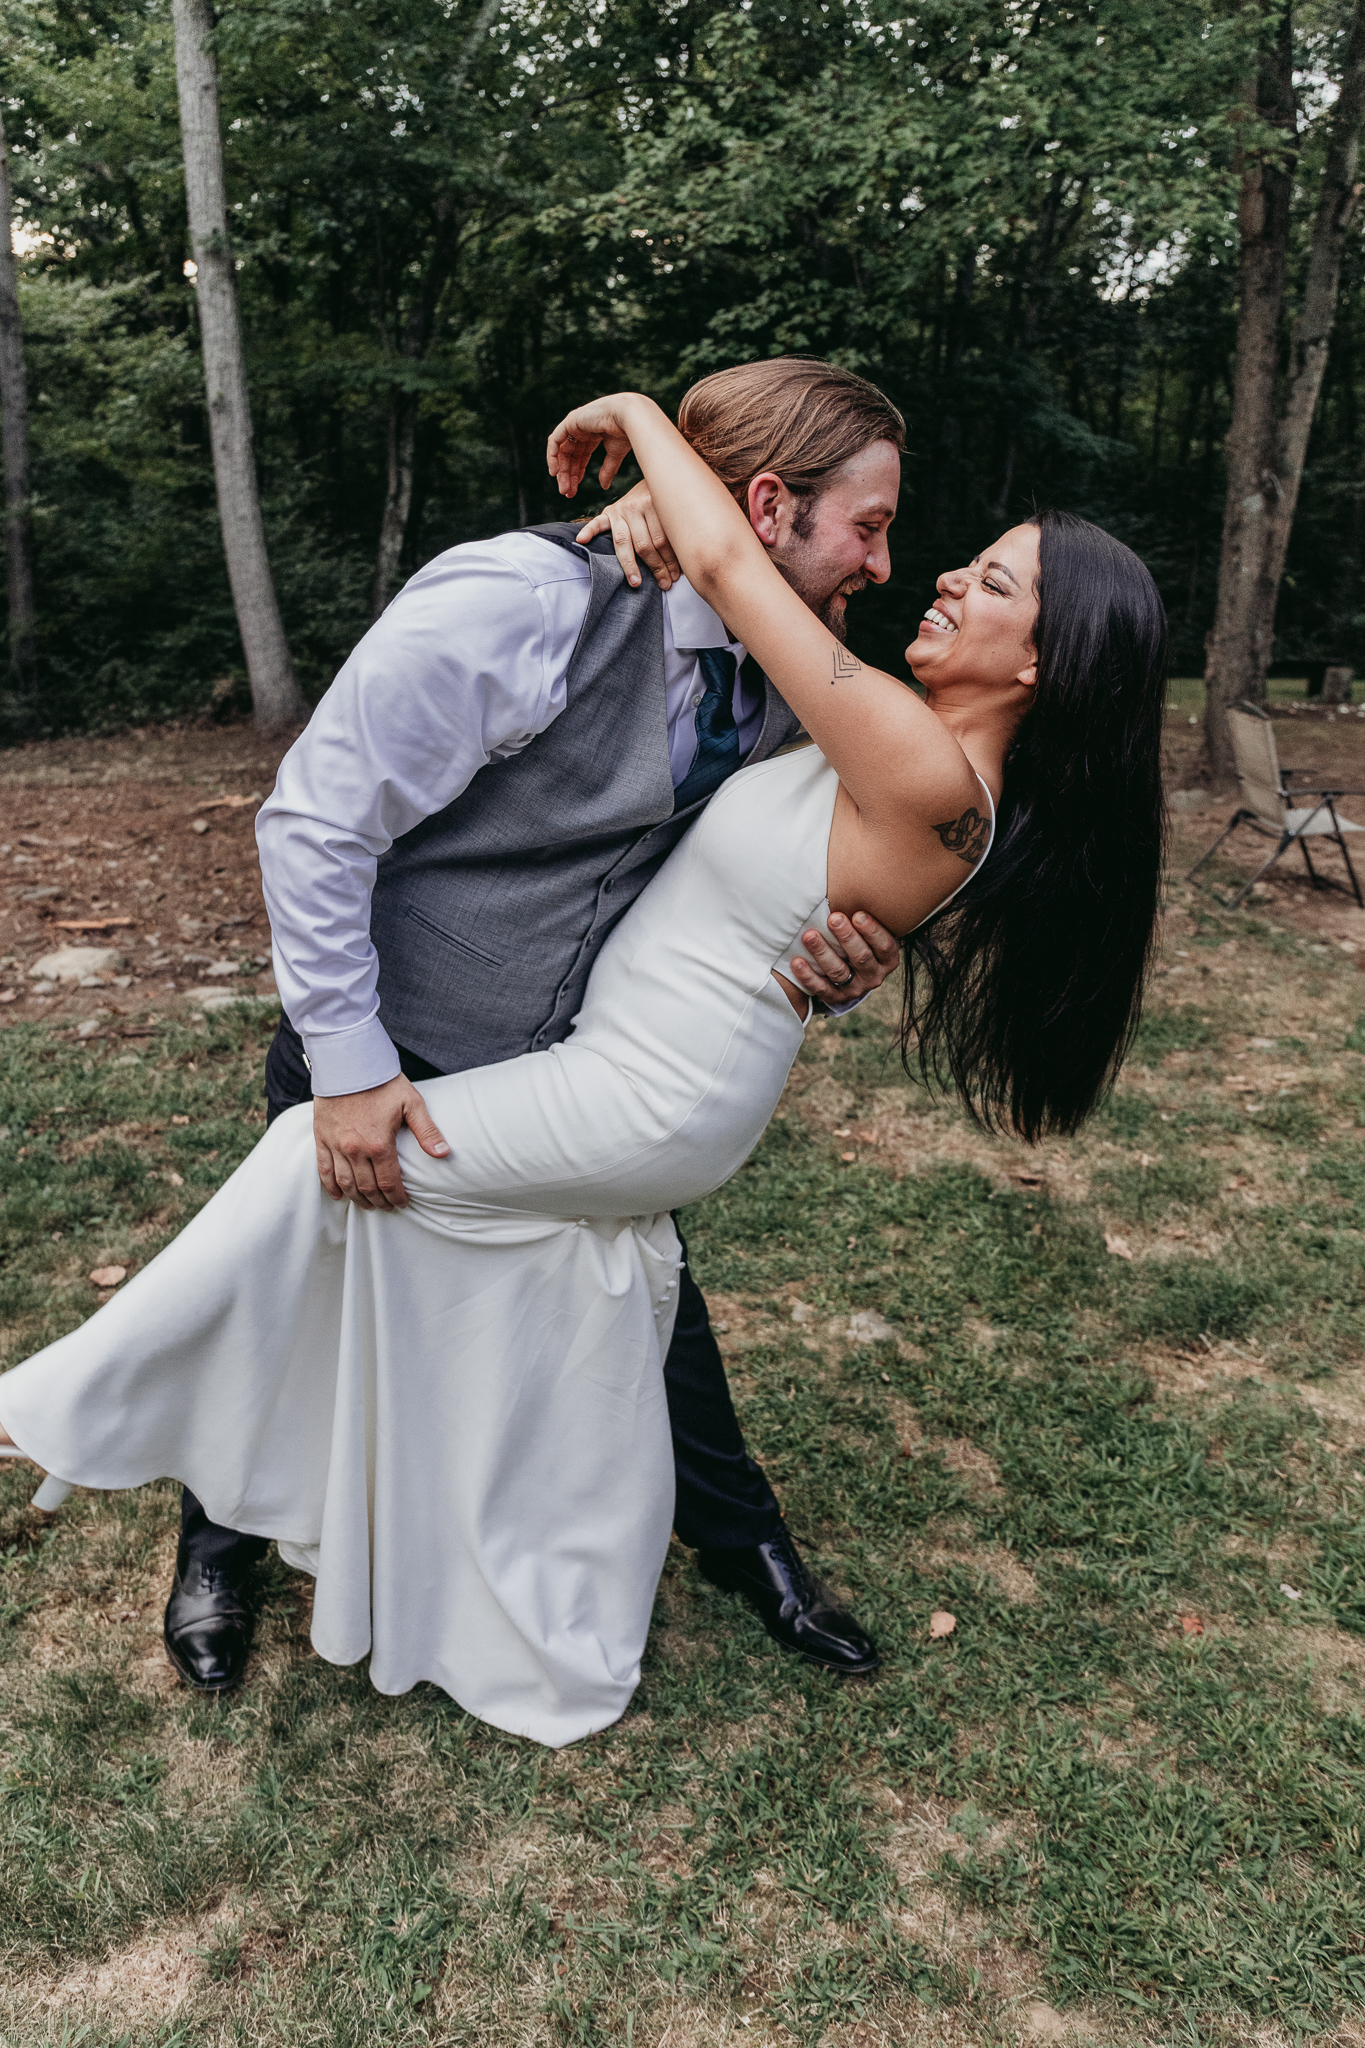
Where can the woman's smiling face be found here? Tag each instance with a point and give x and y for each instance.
(980, 628)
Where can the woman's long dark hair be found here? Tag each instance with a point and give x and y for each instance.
(1028, 989)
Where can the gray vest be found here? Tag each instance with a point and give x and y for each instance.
(487, 917)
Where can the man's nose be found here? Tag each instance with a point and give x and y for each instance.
(877, 560)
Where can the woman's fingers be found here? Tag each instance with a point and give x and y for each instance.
(619, 529)
(660, 556)
(639, 539)
(569, 448)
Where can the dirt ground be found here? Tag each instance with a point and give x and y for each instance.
(143, 844)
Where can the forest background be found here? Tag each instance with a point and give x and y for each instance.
(452, 220)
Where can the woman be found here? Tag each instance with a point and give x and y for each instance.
(453, 1414)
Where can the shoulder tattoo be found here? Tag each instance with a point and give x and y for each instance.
(845, 665)
(965, 836)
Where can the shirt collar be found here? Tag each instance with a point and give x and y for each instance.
(690, 622)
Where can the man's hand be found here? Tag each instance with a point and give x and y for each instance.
(861, 945)
(356, 1138)
(637, 530)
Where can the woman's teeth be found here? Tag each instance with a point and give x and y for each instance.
(935, 618)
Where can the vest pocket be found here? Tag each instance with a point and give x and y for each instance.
(449, 938)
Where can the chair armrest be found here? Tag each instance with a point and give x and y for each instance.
(1325, 791)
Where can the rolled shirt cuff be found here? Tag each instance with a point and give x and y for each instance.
(348, 1062)
(842, 1009)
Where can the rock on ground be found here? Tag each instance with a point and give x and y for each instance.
(73, 963)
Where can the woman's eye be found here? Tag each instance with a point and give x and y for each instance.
(995, 587)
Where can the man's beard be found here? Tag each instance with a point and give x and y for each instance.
(823, 602)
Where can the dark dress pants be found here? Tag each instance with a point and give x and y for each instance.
(723, 1503)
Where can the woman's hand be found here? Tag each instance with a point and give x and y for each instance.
(569, 448)
(637, 530)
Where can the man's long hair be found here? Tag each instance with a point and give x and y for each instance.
(1027, 991)
(794, 415)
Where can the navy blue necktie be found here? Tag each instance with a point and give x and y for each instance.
(717, 752)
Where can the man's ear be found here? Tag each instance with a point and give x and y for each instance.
(766, 497)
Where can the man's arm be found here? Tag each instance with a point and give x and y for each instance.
(461, 669)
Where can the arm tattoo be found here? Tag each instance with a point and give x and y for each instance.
(845, 665)
(965, 836)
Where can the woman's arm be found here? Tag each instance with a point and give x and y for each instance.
(896, 761)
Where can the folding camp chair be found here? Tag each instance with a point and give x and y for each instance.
(1271, 808)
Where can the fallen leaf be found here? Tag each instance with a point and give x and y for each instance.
(941, 1623)
(1290, 1592)
(1192, 1625)
(1119, 1246)
(848, 1157)
(179, 1119)
(866, 1137)
(177, 1180)
(109, 1276)
(1028, 1180)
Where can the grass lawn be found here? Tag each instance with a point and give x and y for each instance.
(1102, 1403)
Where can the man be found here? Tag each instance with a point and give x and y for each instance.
(507, 757)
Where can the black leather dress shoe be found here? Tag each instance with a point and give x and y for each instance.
(795, 1608)
(208, 1626)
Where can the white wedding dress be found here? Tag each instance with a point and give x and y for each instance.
(454, 1415)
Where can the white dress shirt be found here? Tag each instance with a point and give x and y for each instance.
(465, 667)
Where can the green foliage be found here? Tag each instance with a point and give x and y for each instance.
(1019, 224)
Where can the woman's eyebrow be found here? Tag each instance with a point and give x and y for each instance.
(1004, 572)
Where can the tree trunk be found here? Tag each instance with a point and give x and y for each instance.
(948, 432)
(393, 526)
(418, 333)
(23, 652)
(1312, 332)
(1237, 662)
(274, 692)
(417, 337)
